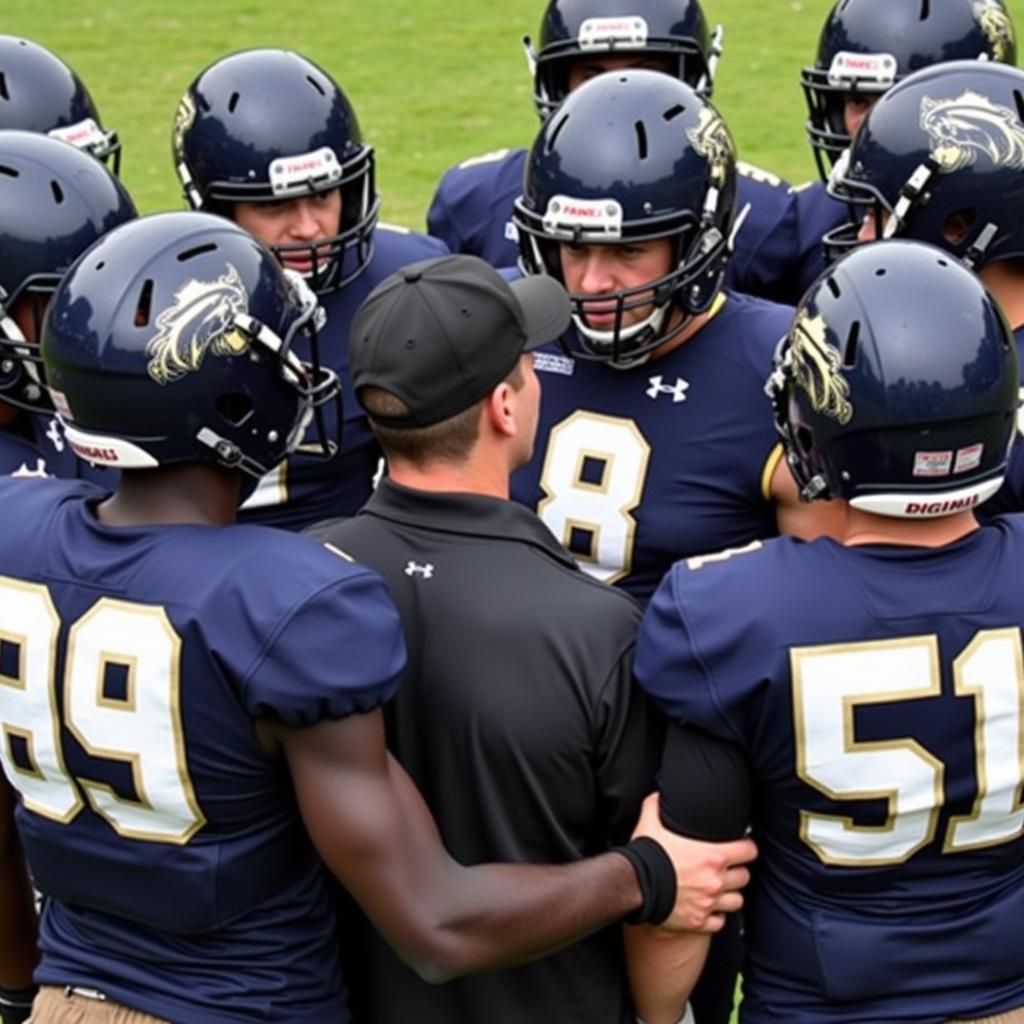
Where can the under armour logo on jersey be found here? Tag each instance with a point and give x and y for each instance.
(659, 387)
(53, 432)
(426, 571)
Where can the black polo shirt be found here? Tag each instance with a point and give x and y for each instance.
(520, 722)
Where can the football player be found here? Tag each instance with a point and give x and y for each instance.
(42, 94)
(861, 703)
(55, 201)
(654, 442)
(191, 708)
(865, 47)
(472, 208)
(940, 158)
(268, 139)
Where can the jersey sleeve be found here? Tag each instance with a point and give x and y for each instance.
(706, 647)
(338, 651)
(441, 220)
(765, 247)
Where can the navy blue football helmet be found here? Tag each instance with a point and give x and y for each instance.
(866, 46)
(940, 158)
(262, 126)
(40, 93)
(171, 341)
(571, 29)
(55, 201)
(896, 387)
(632, 156)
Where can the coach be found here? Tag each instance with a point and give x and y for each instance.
(517, 715)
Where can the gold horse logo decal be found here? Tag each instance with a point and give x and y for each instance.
(998, 28)
(960, 129)
(712, 140)
(200, 320)
(816, 366)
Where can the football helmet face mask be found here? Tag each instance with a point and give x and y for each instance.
(171, 340)
(264, 126)
(940, 158)
(896, 386)
(866, 46)
(675, 30)
(632, 157)
(40, 93)
(55, 201)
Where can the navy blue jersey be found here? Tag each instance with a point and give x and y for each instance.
(816, 213)
(305, 488)
(34, 445)
(763, 247)
(1010, 497)
(636, 468)
(133, 663)
(472, 213)
(878, 693)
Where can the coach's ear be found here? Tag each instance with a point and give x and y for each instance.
(501, 411)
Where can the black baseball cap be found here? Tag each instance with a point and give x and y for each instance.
(440, 334)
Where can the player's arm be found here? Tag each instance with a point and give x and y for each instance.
(374, 831)
(803, 519)
(18, 951)
(705, 788)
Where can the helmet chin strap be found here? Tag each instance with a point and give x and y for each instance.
(653, 322)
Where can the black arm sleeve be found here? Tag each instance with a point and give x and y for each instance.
(705, 785)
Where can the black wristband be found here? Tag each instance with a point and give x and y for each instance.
(657, 877)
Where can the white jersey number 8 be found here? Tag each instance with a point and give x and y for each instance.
(594, 474)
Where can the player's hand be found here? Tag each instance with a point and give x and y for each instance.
(709, 876)
(16, 1006)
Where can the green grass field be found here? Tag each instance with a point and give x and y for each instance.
(433, 81)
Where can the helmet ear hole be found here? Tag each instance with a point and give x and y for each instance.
(235, 406)
(804, 439)
(957, 226)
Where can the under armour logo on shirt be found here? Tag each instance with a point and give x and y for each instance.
(54, 434)
(426, 571)
(659, 387)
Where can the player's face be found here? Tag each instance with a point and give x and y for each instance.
(303, 220)
(598, 270)
(586, 68)
(873, 225)
(28, 313)
(855, 108)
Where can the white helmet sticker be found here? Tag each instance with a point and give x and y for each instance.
(875, 70)
(85, 134)
(629, 32)
(933, 463)
(583, 219)
(320, 167)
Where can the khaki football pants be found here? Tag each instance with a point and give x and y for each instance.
(55, 1005)
(1011, 1017)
